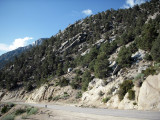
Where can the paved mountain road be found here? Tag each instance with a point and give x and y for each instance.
(146, 115)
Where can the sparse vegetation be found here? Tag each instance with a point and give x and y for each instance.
(5, 109)
(9, 117)
(106, 99)
(63, 82)
(131, 94)
(148, 57)
(100, 93)
(65, 95)
(20, 111)
(50, 98)
(31, 110)
(86, 78)
(76, 82)
(138, 80)
(124, 88)
(78, 95)
(56, 98)
(134, 103)
(149, 71)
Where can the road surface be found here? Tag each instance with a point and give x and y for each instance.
(146, 115)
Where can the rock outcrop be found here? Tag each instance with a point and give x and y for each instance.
(16, 95)
(149, 96)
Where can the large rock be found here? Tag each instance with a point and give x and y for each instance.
(113, 102)
(97, 91)
(38, 94)
(139, 55)
(149, 96)
(92, 97)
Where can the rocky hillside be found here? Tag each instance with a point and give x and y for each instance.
(9, 56)
(110, 60)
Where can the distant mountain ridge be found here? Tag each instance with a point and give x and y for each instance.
(9, 56)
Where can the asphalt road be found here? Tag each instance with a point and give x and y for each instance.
(148, 115)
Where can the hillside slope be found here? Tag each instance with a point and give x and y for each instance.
(105, 60)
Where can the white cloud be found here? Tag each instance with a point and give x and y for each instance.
(87, 12)
(131, 3)
(3, 47)
(20, 42)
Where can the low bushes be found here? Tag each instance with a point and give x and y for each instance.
(78, 95)
(149, 71)
(131, 94)
(9, 117)
(138, 80)
(20, 111)
(106, 99)
(32, 110)
(124, 88)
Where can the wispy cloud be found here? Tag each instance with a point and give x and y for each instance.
(87, 12)
(131, 3)
(20, 42)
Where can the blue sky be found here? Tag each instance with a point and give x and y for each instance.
(24, 21)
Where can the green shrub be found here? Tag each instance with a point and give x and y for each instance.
(157, 65)
(78, 95)
(100, 93)
(78, 72)
(65, 95)
(11, 104)
(124, 88)
(76, 82)
(29, 87)
(131, 94)
(155, 51)
(138, 80)
(105, 100)
(134, 103)
(148, 57)
(50, 98)
(20, 111)
(101, 66)
(8, 117)
(28, 109)
(32, 110)
(63, 82)
(149, 71)
(140, 76)
(86, 78)
(124, 57)
(5, 109)
(56, 98)
(133, 48)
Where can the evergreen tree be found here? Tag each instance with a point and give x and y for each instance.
(124, 57)
(155, 51)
